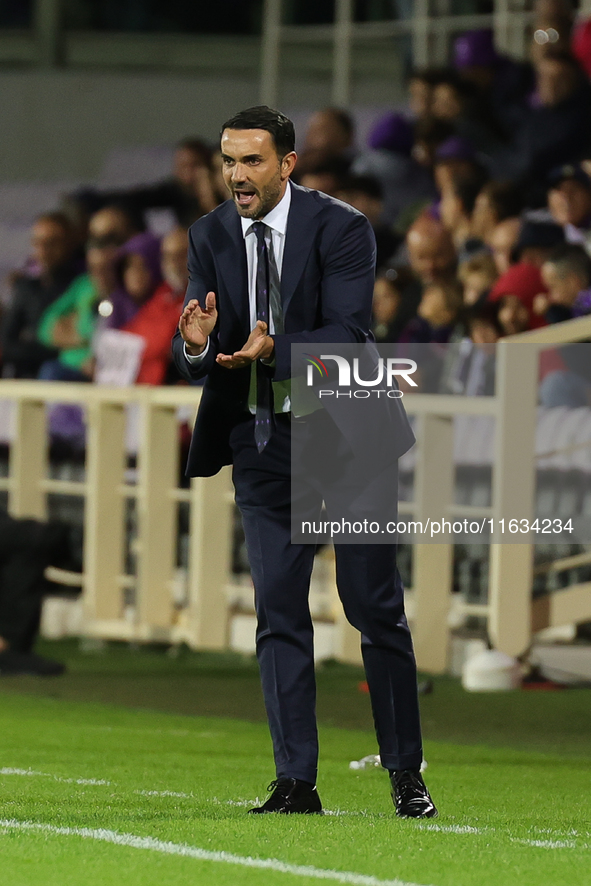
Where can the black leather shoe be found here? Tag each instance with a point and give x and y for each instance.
(290, 795)
(410, 795)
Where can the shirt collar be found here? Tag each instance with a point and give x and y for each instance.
(276, 219)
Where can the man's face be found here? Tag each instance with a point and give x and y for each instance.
(433, 307)
(556, 82)
(570, 203)
(254, 174)
(502, 240)
(326, 134)
(563, 288)
(371, 207)
(446, 103)
(99, 262)
(446, 171)
(450, 209)
(483, 333)
(174, 260)
(513, 315)
(137, 278)
(52, 246)
(185, 166)
(484, 217)
(386, 300)
(109, 227)
(475, 284)
(419, 97)
(326, 182)
(431, 255)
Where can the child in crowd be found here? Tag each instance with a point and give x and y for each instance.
(385, 305)
(457, 205)
(515, 291)
(477, 275)
(483, 324)
(502, 241)
(567, 274)
(436, 315)
(496, 202)
(469, 364)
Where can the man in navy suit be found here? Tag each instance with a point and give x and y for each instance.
(274, 266)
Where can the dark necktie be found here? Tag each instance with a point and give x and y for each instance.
(264, 420)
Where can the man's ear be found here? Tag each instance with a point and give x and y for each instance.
(288, 163)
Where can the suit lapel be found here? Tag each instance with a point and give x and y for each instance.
(299, 238)
(231, 261)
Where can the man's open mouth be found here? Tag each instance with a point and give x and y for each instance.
(244, 197)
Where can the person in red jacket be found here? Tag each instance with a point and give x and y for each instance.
(157, 319)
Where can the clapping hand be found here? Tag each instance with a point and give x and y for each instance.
(197, 323)
(258, 346)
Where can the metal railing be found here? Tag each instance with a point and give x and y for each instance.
(47, 43)
(429, 34)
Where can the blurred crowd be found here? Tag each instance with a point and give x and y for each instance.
(479, 193)
(95, 266)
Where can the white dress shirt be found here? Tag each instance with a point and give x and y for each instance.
(276, 220)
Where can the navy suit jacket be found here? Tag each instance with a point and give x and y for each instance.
(327, 280)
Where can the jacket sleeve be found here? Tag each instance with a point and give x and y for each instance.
(20, 346)
(346, 292)
(198, 289)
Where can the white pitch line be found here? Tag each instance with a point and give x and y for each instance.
(537, 844)
(167, 848)
(451, 828)
(567, 841)
(551, 844)
(31, 772)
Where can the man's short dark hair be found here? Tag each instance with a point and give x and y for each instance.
(337, 167)
(280, 127)
(430, 76)
(484, 312)
(505, 197)
(57, 218)
(368, 185)
(467, 186)
(433, 132)
(342, 118)
(198, 147)
(571, 259)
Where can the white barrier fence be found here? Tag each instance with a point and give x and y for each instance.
(211, 608)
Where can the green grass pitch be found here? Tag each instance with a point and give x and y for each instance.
(137, 768)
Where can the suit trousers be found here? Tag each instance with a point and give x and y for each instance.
(371, 592)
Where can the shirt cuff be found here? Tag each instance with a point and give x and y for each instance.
(195, 358)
